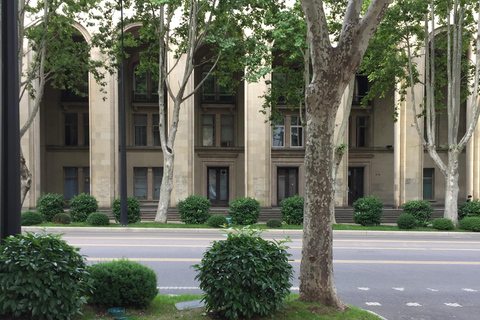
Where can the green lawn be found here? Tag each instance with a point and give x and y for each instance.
(163, 308)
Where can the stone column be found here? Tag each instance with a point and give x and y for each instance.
(341, 180)
(408, 148)
(258, 145)
(103, 118)
(183, 177)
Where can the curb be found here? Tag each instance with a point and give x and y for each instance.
(269, 231)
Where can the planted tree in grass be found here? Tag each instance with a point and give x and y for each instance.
(244, 211)
(133, 210)
(81, 206)
(292, 210)
(194, 209)
(49, 204)
(367, 211)
(245, 275)
(421, 210)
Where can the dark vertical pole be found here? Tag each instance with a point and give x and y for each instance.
(123, 138)
(10, 128)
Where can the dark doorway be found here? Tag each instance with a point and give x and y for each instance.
(287, 183)
(355, 184)
(217, 186)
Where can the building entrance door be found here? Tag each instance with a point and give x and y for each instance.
(355, 184)
(287, 183)
(217, 184)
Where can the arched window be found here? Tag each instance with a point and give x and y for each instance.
(145, 86)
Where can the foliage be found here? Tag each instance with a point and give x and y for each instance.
(234, 271)
(274, 223)
(217, 220)
(133, 210)
(443, 224)
(367, 211)
(292, 210)
(31, 218)
(62, 218)
(406, 221)
(81, 206)
(49, 204)
(42, 276)
(470, 223)
(122, 283)
(421, 210)
(244, 211)
(469, 209)
(98, 219)
(194, 209)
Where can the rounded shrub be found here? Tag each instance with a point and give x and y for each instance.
(41, 276)
(443, 224)
(469, 209)
(31, 218)
(62, 218)
(245, 275)
(292, 210)
(194, 209)
(98, 219)
(406, 221)
(122, 283)
(244, 211)
(274, 223)
(367, 211)
(81, 206)
(133, 210)
(421, 210)
(470, 224)
(217, 221)
(49, 204)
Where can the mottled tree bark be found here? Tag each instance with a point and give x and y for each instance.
(333, 67)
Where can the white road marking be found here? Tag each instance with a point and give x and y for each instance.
(453, 305)
(469, 290)
(178, 288)
(434, 290)
(363, 288)
(398, 289)
(373, 304)
(414, 304)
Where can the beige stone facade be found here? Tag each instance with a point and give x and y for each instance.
(225, 148)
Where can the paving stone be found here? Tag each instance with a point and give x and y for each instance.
(189, 304)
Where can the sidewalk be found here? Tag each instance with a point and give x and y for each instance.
(265, 232)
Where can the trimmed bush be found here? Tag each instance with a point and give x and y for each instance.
(81, 206)
(98, 219)
(443, 224)
(367, 211)
(245, 275)
(49, 204)
(274, 223)
(194, 210)
(133, 210)
(41, 276)
(122, 283)
(217, 221)
(470, 224)
(469, 209)
(406, 221)
(421, 210)
(292, 210)
(62, 218)
(244, 211)
(31, 218)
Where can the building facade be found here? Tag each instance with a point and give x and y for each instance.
(225, 148)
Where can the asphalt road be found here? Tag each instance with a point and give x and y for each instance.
(414, 276)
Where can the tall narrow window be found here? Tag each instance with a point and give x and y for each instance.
(279, 81)
(140, 129)
(208, 130)
(71, 129)
(279, 133)
(362, 131)
(361, 88)
(70, 179)
(157, 182)
(428, 183)
(140, 182)
(86, 176)
(156, 131)
(208, 90)
(140, 85)
(226, 131)
(296, 132)
(86, 130)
